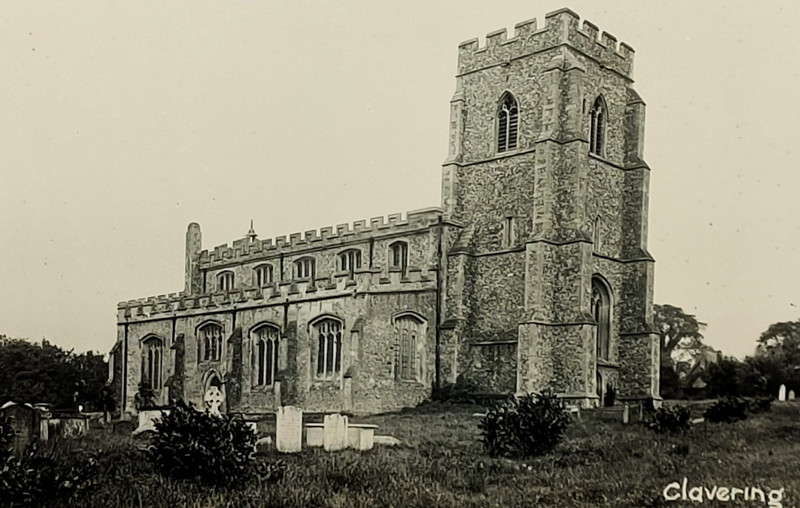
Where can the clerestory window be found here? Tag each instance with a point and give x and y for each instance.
(349, 261)
(398, 256)
(225, 281)
(263, 275)
(304, 268)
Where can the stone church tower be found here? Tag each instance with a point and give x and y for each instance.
(548, 282)
(534, 273)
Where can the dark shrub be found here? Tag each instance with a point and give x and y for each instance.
(193, 444)
(527, 426)
(42, 475)
(760, 405)
(727, 410)
(670, 419)
(460, 392)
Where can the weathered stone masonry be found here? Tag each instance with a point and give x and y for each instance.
(500, 284)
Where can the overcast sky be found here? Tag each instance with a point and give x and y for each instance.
(124, 121)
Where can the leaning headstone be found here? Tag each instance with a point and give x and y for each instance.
(334, 432)
(791, 394)
(289, 429)
(782, 393)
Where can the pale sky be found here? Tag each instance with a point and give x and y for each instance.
(125, 121)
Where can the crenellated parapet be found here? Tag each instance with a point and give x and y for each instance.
(244, 250)
(367, 280)
(561, 27)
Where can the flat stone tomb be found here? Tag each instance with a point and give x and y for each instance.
(361, 436)
(289, 429)
(147, 419)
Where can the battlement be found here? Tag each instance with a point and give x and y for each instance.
(243, 249)
(342, 284)
(561, 27)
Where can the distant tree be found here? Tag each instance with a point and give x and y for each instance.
(45, 373)
(782, 339)
(677, 330)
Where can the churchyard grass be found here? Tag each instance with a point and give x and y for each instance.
(441, 463)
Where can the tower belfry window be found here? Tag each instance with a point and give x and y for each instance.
(507, 124)
(597, 129)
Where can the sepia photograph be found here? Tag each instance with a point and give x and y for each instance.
(346, 253)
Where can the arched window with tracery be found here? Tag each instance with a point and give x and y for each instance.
(409, 331)
(507, 123)
(328, 335)
(597, 127)
(266, 339)
(152, 358)
(601, 311)
(210, 340)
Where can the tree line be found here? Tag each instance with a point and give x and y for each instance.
(42, 372)
(692, 369)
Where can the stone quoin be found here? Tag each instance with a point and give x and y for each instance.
(533, 274)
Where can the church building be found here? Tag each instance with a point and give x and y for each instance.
(533, 273)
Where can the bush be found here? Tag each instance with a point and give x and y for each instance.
(42, 474)
(760, 405)
(193, 444)
(459, 392)
(727, 410)
(528, 426)
(670, 419)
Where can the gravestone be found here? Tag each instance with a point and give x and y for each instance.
(289, 429)
(625, 414)
(791, 394)
(782, 393)
(26, 422)
(334, 432)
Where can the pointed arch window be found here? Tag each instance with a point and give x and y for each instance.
(152, 358)
(507, 124)
(597, 128)
(210, 340)
(266, 339)
(225, 281)
(601, 311)
(409, 332)
(328, 334)
(263, 275)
